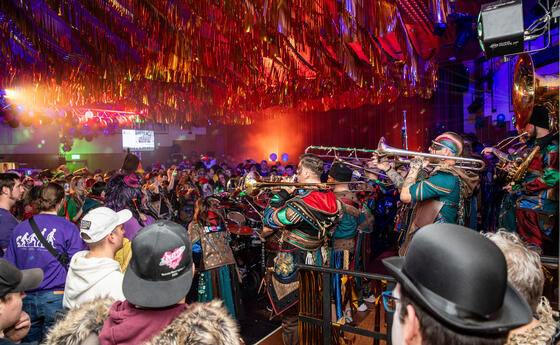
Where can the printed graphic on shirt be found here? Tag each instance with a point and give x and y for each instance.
(30, 240)
(172, 259)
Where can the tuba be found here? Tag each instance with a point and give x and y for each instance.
(530, 89)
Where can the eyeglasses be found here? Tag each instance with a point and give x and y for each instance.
(437, 146)
(389, 301)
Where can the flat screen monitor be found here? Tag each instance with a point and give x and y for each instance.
(137, 140)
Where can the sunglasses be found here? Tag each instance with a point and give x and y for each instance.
(389, 301)
(437, 146)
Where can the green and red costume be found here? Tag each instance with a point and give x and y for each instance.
(537, 205)
(305, 220)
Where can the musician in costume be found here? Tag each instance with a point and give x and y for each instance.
(218, 278)
(304, 221)
(440, 197)
(344, 241)
(506, 218)
(537, 204)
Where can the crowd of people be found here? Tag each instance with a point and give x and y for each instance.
(135, 257)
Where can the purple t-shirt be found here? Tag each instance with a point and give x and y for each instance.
(7, 224)
(26, 251)
(131, 226)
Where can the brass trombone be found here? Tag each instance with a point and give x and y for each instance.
(341, 153)
(253, 186)
(345, 155)
(462, 162)
(383, 150)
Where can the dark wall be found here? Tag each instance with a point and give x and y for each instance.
(357, 128)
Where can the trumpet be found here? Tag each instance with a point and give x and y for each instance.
(462, 162)
(254, 186)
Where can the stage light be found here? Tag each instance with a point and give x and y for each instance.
(273, 157)
(8, 93)
(285, 157)
(501, 28)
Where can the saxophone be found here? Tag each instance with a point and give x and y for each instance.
(518, 168)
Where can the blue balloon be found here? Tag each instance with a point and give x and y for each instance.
(285, 157)
(273, 157)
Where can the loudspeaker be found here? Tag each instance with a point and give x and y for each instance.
(501, 28)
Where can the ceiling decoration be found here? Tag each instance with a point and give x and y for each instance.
(187, 61)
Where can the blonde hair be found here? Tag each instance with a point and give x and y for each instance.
(74, 182)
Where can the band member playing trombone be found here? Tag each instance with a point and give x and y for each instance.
(304, 221)
(440, 197)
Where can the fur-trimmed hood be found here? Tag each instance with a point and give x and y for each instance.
(540, 333)
(80, 323)
(201, 324)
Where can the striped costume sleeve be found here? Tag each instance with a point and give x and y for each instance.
(432, 187)
(279, 217)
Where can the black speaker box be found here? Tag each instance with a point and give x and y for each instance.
(501, 28)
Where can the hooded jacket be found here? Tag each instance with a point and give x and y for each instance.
(201, 323)
(92, 277)
(128, 325)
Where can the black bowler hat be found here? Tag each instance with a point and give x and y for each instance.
(340, 173)
(460, 277)
(160, 270)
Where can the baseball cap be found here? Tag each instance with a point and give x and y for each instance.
(14, 280)
(100, 221)
(160, 271)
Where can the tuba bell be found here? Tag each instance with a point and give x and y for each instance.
(530, 89)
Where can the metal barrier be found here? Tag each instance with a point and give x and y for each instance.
(326, 322)
(550, 261)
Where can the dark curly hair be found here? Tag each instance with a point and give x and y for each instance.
(120, 196)
(50, 196)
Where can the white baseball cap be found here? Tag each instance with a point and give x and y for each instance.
(100, 221)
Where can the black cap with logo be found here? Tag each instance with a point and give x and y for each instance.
(160, 271)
